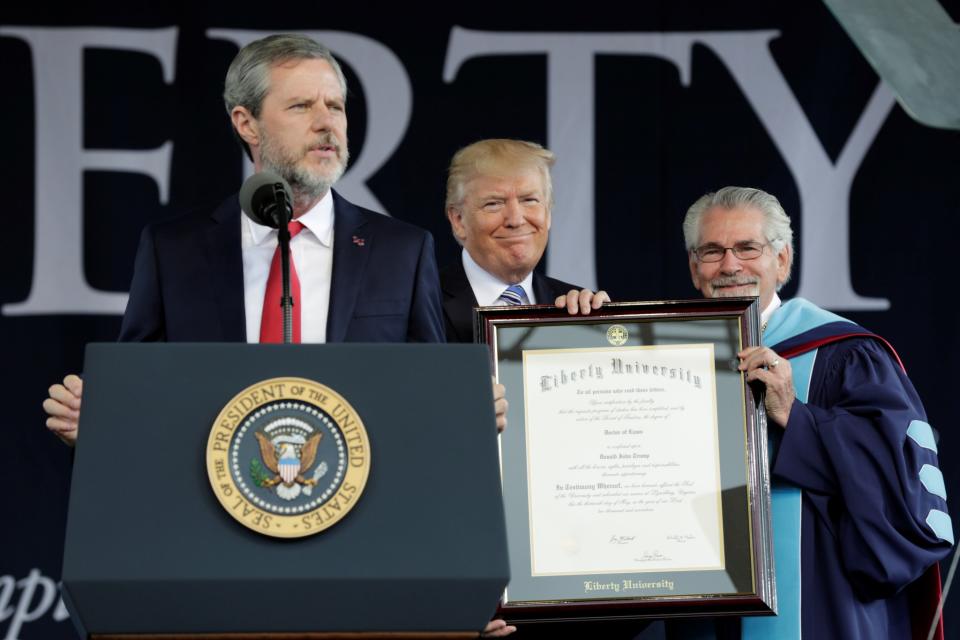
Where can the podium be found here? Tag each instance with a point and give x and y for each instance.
(150, 551)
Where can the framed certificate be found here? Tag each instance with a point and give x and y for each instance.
(634, 463)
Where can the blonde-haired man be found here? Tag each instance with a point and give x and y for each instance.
(499, 200)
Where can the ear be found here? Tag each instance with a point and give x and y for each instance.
(246, 125)
(456, 223)
(784, 264)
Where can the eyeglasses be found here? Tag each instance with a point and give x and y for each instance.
(742, 250)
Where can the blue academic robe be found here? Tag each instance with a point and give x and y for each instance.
(873, 515)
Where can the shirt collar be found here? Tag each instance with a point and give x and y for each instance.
(318, 220)
(766, 313)
(487, 287)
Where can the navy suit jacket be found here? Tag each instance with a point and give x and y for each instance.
(188, 280)
(459, 301)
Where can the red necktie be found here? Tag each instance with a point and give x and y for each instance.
(271, 321)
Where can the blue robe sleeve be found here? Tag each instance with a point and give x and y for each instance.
(863, 443)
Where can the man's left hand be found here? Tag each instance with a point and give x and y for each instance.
(763, 364)
(583, 301)
(500, 405)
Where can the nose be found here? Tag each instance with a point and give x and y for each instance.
(730, 264)
(512, 213)
(322, 117)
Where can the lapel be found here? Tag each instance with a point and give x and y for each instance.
(349, 262)
(542, 290)
(225, 265)
(458, 301)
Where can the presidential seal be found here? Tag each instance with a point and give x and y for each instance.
(617, 335)
(288, 457)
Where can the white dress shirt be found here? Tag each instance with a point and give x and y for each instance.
(487, 287)
(311, 251)
(766, 313)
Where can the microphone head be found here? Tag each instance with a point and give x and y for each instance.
(258, 199)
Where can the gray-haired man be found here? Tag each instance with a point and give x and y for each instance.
(204, 277)
(859, 510)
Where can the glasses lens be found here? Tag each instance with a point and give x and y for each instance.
(710, 253)
(743, 250)
(748, 250)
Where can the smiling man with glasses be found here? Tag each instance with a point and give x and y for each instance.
(738, 250)
(859, 506)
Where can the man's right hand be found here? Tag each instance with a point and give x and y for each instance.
(63, 407)
(497, 629)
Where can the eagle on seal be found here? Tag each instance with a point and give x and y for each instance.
(289, 461)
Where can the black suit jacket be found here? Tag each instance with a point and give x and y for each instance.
(188, 280)
(459, 301)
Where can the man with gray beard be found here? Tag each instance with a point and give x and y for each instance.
(213, 275)
(859, 509)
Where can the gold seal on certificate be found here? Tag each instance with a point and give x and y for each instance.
(634, 470)
(288, 457)
(617, 335)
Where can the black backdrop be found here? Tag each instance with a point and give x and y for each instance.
(658, 136)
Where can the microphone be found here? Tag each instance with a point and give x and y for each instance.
(267, 199)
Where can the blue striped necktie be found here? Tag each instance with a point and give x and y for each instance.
(514, 295)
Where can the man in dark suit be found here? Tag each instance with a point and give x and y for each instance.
(207, 276)
(383, 286)
(499, 198)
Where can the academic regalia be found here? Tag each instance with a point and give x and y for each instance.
(873, 515)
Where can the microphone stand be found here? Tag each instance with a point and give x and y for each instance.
(285, 214)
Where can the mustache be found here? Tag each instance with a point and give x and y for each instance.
(325, 140)
(734, 281)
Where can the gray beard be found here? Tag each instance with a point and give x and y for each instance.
(733, 280)
(307, 187)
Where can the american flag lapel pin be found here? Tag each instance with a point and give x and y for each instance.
(358, 241)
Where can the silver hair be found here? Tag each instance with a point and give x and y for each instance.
(776, 222)
(248, 78)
